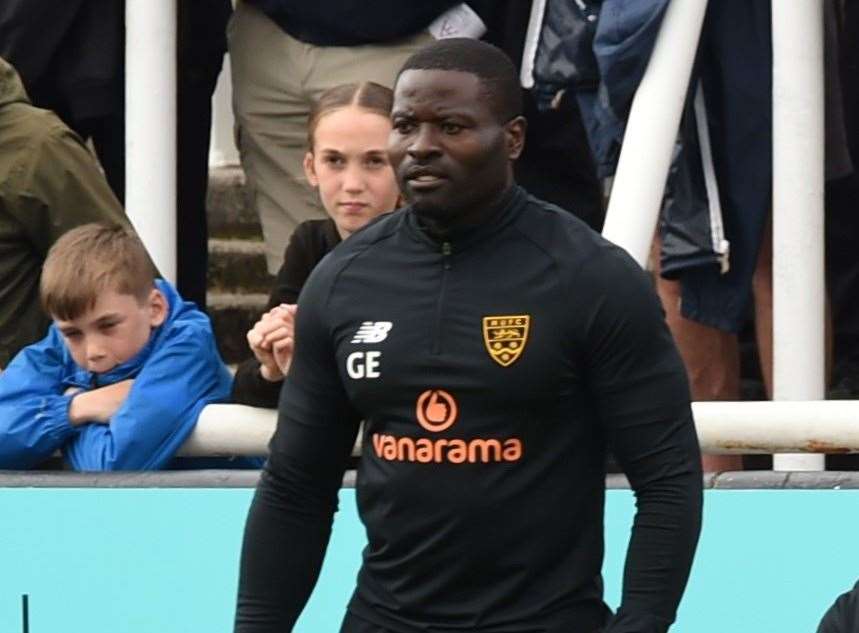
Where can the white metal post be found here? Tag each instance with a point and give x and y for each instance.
(798, 294)
(651, 131)
(150, 127)
(222, 147)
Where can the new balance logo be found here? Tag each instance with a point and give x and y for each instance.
(372, 332)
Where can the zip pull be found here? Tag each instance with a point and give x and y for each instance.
(446, 250)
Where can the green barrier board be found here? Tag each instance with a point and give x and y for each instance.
(165, 560)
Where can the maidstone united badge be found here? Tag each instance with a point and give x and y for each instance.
(505, 337)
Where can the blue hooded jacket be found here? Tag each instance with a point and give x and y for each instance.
(176, 374)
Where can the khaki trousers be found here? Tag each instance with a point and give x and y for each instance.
(275, 79)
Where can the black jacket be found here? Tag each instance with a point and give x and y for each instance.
(310, 242)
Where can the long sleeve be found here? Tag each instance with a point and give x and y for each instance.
(250, 388)
(642, 397)
(290, 519)
(34, 419)
(183, 374)
(310, 242)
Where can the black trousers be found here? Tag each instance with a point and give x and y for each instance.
(202, 44)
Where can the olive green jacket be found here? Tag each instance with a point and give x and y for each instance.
(49, 183)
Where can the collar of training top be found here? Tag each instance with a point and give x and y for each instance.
(507, 210)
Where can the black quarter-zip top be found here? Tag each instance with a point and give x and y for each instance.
(492, 369)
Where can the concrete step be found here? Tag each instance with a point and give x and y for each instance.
(229, 205)
(239, 282)
(232, 316)
(238, 267)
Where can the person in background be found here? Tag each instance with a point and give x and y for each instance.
(284, 54)
(124, 371)
(842, 222)
(71, 57)
(50, 182)
(347, 162)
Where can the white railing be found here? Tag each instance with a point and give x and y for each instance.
(810, 427)
(231, 429)
(828, 426)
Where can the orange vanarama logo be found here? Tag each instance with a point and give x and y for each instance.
(505, 337)
(436, 411)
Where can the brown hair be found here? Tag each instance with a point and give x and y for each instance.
(88, 260)
(367, 95)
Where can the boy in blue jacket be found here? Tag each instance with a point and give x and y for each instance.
(126, 367)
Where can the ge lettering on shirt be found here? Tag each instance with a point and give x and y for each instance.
(365, 364)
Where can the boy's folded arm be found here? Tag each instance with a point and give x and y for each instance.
(161, 409)
(98, 405)
(34, 413)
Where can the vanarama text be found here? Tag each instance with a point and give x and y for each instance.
(454, 451)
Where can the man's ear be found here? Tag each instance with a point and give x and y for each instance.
(157, 307)
(514, 130)
(309, 170)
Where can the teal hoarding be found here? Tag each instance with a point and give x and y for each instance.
(165, 560)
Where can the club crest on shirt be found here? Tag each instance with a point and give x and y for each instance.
(505, 337)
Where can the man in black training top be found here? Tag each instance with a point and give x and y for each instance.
(495, 347)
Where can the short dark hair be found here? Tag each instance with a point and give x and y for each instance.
(490, 64)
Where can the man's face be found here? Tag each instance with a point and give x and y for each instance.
(114, 330)
(451, 154)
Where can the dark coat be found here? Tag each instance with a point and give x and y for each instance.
(710, 243)
(49, 183)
